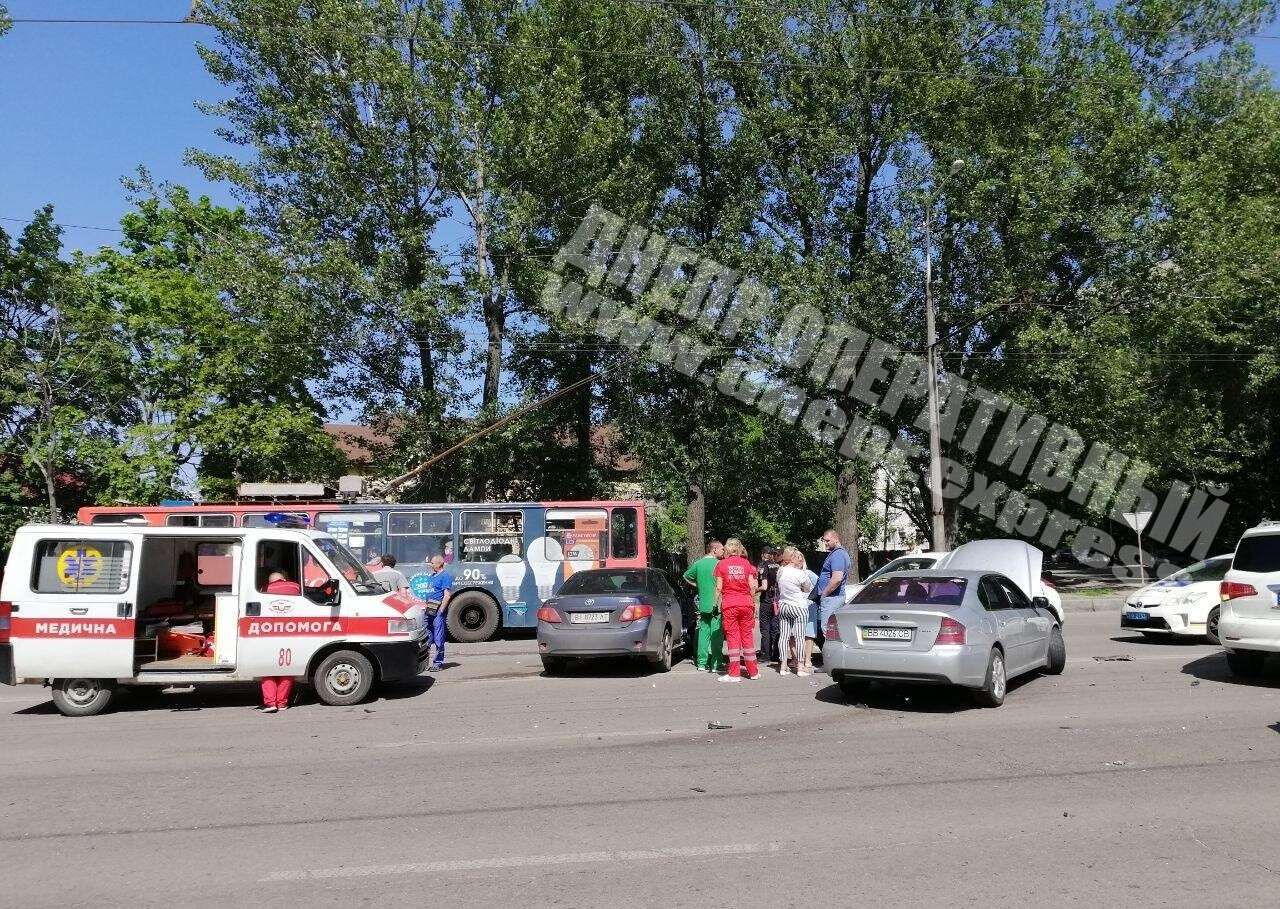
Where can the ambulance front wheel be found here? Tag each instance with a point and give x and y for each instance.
(82, 697)
(343, 678)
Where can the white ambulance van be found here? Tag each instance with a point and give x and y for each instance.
(88, 610)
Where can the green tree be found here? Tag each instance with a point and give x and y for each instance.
(214, 352)
(54, 401)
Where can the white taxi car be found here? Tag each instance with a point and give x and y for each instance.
(1184, 603)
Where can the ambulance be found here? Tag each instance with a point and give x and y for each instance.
(91, 610)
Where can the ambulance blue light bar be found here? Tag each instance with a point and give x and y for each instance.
(282, 519)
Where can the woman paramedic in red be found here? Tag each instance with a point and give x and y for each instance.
(275, 689)
(737, 582)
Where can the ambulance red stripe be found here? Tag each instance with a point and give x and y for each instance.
(103, 629)
(307, 626)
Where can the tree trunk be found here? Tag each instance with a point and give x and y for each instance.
(427, 367)
(846, 523)
(494, 312)
(495, 327)
(695, 522)
(951, 520)
(46, 467)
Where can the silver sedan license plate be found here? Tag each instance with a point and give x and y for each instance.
(588, 618)
(886, 634)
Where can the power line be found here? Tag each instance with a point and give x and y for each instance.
(728, 6)
(757, 62)
(61, 224)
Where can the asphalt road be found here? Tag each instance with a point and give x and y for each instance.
(1152, 780)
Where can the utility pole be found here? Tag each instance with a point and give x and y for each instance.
(938, 523)
(938, 520)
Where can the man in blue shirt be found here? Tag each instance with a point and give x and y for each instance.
(437, 594)
(836, 571)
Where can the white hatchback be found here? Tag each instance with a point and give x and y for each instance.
(1249, 624)
(1184, 603)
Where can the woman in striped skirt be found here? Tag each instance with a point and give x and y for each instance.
(793, 609)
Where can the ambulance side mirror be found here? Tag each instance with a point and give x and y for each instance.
(327, 593)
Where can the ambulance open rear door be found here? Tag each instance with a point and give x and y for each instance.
(77, 620)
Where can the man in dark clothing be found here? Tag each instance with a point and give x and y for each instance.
(768, 612)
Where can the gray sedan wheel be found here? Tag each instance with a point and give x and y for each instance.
(661, 661)
(992, 693)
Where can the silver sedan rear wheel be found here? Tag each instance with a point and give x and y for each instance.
(992, 693)
(1057, 656)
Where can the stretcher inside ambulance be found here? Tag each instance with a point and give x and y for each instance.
(88, 610)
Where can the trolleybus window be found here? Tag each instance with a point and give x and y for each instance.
(489, 535)
(359, 531)
(200, 520)
(415, 536)
(583, 535)
(117, 518)
(626, 533)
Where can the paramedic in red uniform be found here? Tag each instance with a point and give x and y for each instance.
(737, 582)
(275, 689)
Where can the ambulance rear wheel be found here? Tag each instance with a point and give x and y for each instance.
(343, 678)
(472, 617)
(82, 697)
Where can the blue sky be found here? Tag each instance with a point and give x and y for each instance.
(83, 105)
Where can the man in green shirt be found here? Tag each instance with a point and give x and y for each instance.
(701, 575)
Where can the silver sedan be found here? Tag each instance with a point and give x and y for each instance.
(976, 629)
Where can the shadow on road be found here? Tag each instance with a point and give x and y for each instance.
(409, 688)
(906, 698)
(1159, 640)
(605, 668)
(1213, 668)
(221, 696)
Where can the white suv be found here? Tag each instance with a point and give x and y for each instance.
(1249, 622)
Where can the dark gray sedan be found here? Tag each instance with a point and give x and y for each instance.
(611, 612)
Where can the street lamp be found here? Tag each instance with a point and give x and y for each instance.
(937, 517)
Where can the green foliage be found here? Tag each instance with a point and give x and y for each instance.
(168, 365)
(213, 352)
(55, 394)
(1106, 255)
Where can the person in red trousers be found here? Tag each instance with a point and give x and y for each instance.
(276, 689)
(737, 583)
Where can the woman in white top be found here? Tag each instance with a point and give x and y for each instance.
(793, 609)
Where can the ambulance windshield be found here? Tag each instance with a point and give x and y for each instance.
(349, 565)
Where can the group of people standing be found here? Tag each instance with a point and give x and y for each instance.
(435, 597)
(789, 602)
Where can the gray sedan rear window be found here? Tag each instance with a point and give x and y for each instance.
(626, 581)
(918, 591)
